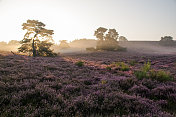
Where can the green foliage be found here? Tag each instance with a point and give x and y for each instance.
(146, 67)
(158, 75)
(37, 40)
(79, 63)
(122, 66)
(141, 74)
(161, 75)
(132, 62)
(108, 68)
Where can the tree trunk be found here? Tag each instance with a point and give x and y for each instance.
(33, 48)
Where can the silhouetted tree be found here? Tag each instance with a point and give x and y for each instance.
(112, 35)
(100, 33)
(106, 41)
(167, 41)
(64, 44)
(122, 38)
(166, 38)
(37, 40)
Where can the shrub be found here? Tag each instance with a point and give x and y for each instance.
(79, 63)
(108, 68)
(161, 75)
(132, 62)
(146, 67)
(143, 73)
(126, 83)
(122, 66)
(140, 74)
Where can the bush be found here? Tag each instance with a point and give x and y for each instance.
(79, 63)
(146, 67)
(122, 66)
(132, 62)
(143, 73)
(108, 68)
(161, 75)
(140, 74)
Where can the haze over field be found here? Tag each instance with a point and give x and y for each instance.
(75, 19)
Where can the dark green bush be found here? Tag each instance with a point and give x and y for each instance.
(79, 63)
(108, 68)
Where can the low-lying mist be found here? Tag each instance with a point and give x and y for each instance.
(146, 47)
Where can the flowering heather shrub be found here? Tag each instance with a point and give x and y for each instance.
(127, 83)
(140, 90)
(45, 86)
(150, 84)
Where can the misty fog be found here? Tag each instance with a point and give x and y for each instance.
(79, 46)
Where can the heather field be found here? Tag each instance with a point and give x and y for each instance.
(88, 84)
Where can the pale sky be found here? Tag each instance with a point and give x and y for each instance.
(75, 19)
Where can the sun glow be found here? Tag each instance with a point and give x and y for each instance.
(76, 19)
(66, 25)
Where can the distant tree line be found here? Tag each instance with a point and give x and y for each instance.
(167, 41)
(38, 40)
(64, 44)
(10, 46)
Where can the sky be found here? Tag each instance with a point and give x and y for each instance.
(147, 20)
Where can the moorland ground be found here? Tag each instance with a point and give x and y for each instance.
(88, 84)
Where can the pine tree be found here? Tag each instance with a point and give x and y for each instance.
(37, 40)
